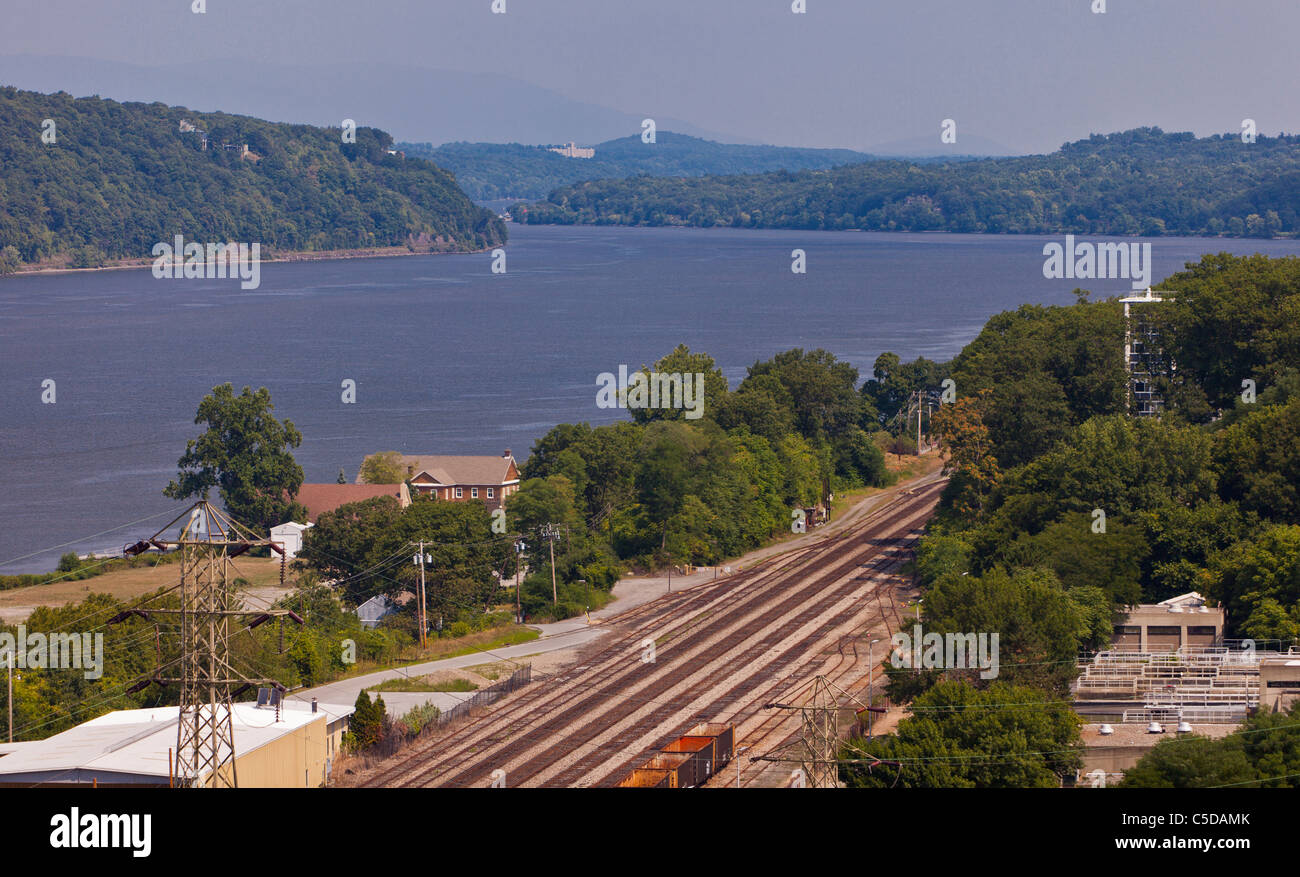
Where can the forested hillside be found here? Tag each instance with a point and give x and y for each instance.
(1062, 509)
(120, 177)
(1142, 182)
(510, 170)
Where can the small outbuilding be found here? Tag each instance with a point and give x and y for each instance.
(289, 537)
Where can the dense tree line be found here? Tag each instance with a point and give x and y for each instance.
(696, 491)
(1139, 182)
(511, 170)
(121, 177)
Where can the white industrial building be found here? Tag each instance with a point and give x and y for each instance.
(293, 747)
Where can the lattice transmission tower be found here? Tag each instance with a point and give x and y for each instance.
(208, 540)
(820, 737)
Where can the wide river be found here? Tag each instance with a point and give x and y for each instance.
(447, 356)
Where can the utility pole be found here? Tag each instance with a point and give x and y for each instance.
(918, 423)
(205, 737)
(520, 545)
(422, 610)
(555, 595)
(550, 533)
(9, 667)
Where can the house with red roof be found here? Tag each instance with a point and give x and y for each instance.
(321, 498)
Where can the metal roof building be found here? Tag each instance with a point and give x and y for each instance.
(134, 748)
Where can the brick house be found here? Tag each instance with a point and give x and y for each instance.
(488, 480)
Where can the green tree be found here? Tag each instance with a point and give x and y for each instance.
(682, 362)
(345, 543)
(822, 389)
(1191, 762)
(1258, 460)
(385, 467)
(245, 453)
(1005, 736)
(1255, 578)
(366, 724)
(1040, 627)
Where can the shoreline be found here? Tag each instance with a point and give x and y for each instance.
(286, 256)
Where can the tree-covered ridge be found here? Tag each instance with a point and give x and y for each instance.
(121, 177)
(1142, 181)
(512, 170)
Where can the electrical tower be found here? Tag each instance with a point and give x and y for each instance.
(820, 737)
(817, 749)
(208, 540)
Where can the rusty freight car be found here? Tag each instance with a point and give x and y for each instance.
(689, 761)
(700, 749)
(723, 735)
(648, 778)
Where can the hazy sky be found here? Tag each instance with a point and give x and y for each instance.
(1029, 74)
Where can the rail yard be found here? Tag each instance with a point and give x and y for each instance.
(721, 652)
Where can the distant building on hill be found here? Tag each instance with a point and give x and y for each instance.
(574, 151)
(1279, 682)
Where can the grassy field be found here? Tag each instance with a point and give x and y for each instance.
(423, 684)
(16, 604)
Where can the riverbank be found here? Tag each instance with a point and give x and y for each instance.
(60, 266)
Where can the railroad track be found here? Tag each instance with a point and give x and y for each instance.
(767, 732)
(716, 648)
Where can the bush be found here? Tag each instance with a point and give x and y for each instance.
(418, 719)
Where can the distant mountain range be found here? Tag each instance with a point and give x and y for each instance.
(488, 171)
(1139, 182)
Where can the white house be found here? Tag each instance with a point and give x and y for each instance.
(289, 537)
